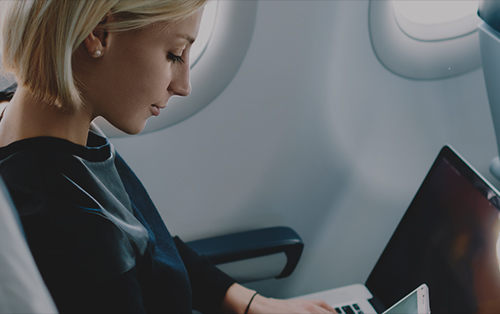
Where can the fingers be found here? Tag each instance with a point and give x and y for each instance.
(324, 305)
(317, 306)
(300, 306)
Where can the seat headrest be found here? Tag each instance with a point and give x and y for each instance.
(489, 12)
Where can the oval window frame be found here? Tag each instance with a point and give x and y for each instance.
(204, 35)
(222, 58)
(430, 60)
(436, 31)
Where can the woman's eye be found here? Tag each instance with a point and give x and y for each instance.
(174, 58)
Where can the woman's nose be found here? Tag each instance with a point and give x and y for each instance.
(181, 84)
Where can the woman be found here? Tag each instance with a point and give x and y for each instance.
(97, 238)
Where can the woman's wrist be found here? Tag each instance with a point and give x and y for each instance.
(259, 304)
(237, 299)
(250, 302)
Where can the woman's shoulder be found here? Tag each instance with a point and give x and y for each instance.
(65, 222)
(98, 148)
(26, 176)
(53, 166)
(34, 177)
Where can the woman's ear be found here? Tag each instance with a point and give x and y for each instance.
(96, 41)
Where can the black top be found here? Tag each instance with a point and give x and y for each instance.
(96, 236)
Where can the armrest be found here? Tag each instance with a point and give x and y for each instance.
(253, 244)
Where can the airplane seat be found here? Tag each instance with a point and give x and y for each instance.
(22, 289)
(489, 41)
(255, 254)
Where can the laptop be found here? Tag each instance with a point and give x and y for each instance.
(447, 239)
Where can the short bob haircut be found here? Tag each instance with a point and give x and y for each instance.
(38, 37)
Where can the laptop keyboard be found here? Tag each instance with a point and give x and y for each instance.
(349, 309)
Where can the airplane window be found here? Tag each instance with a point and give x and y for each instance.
(436, 20)
(216, 56)
(224, 24)
(425, 40)
(435, 12)
(225, 34)
(206, 28)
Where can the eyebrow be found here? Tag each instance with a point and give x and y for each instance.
(187, 37)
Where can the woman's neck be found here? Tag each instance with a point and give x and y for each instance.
(24, 117)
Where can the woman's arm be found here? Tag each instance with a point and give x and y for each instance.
(208, 282)
(238, 297)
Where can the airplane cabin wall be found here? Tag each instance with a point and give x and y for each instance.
(313, 133)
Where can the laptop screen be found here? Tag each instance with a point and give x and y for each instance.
(448, 239)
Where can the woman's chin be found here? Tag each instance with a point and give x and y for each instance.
(131, 129)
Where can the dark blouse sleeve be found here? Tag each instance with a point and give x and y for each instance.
(73, 249)
(209, 285)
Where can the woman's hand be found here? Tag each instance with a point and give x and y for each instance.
(262, 304)
(238, 297)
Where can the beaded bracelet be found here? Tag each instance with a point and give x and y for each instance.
(248, 306)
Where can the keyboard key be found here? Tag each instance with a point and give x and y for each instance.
(348, 310)
(356, 306)
(361, 312)
(338, 310)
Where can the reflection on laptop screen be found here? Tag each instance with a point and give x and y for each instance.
(448, 239)
(406, 306)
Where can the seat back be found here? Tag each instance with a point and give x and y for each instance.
(489, 41)
(22, 289)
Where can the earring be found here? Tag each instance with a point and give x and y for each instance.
(97, 54)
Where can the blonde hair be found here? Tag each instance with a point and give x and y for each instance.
(38, 37)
